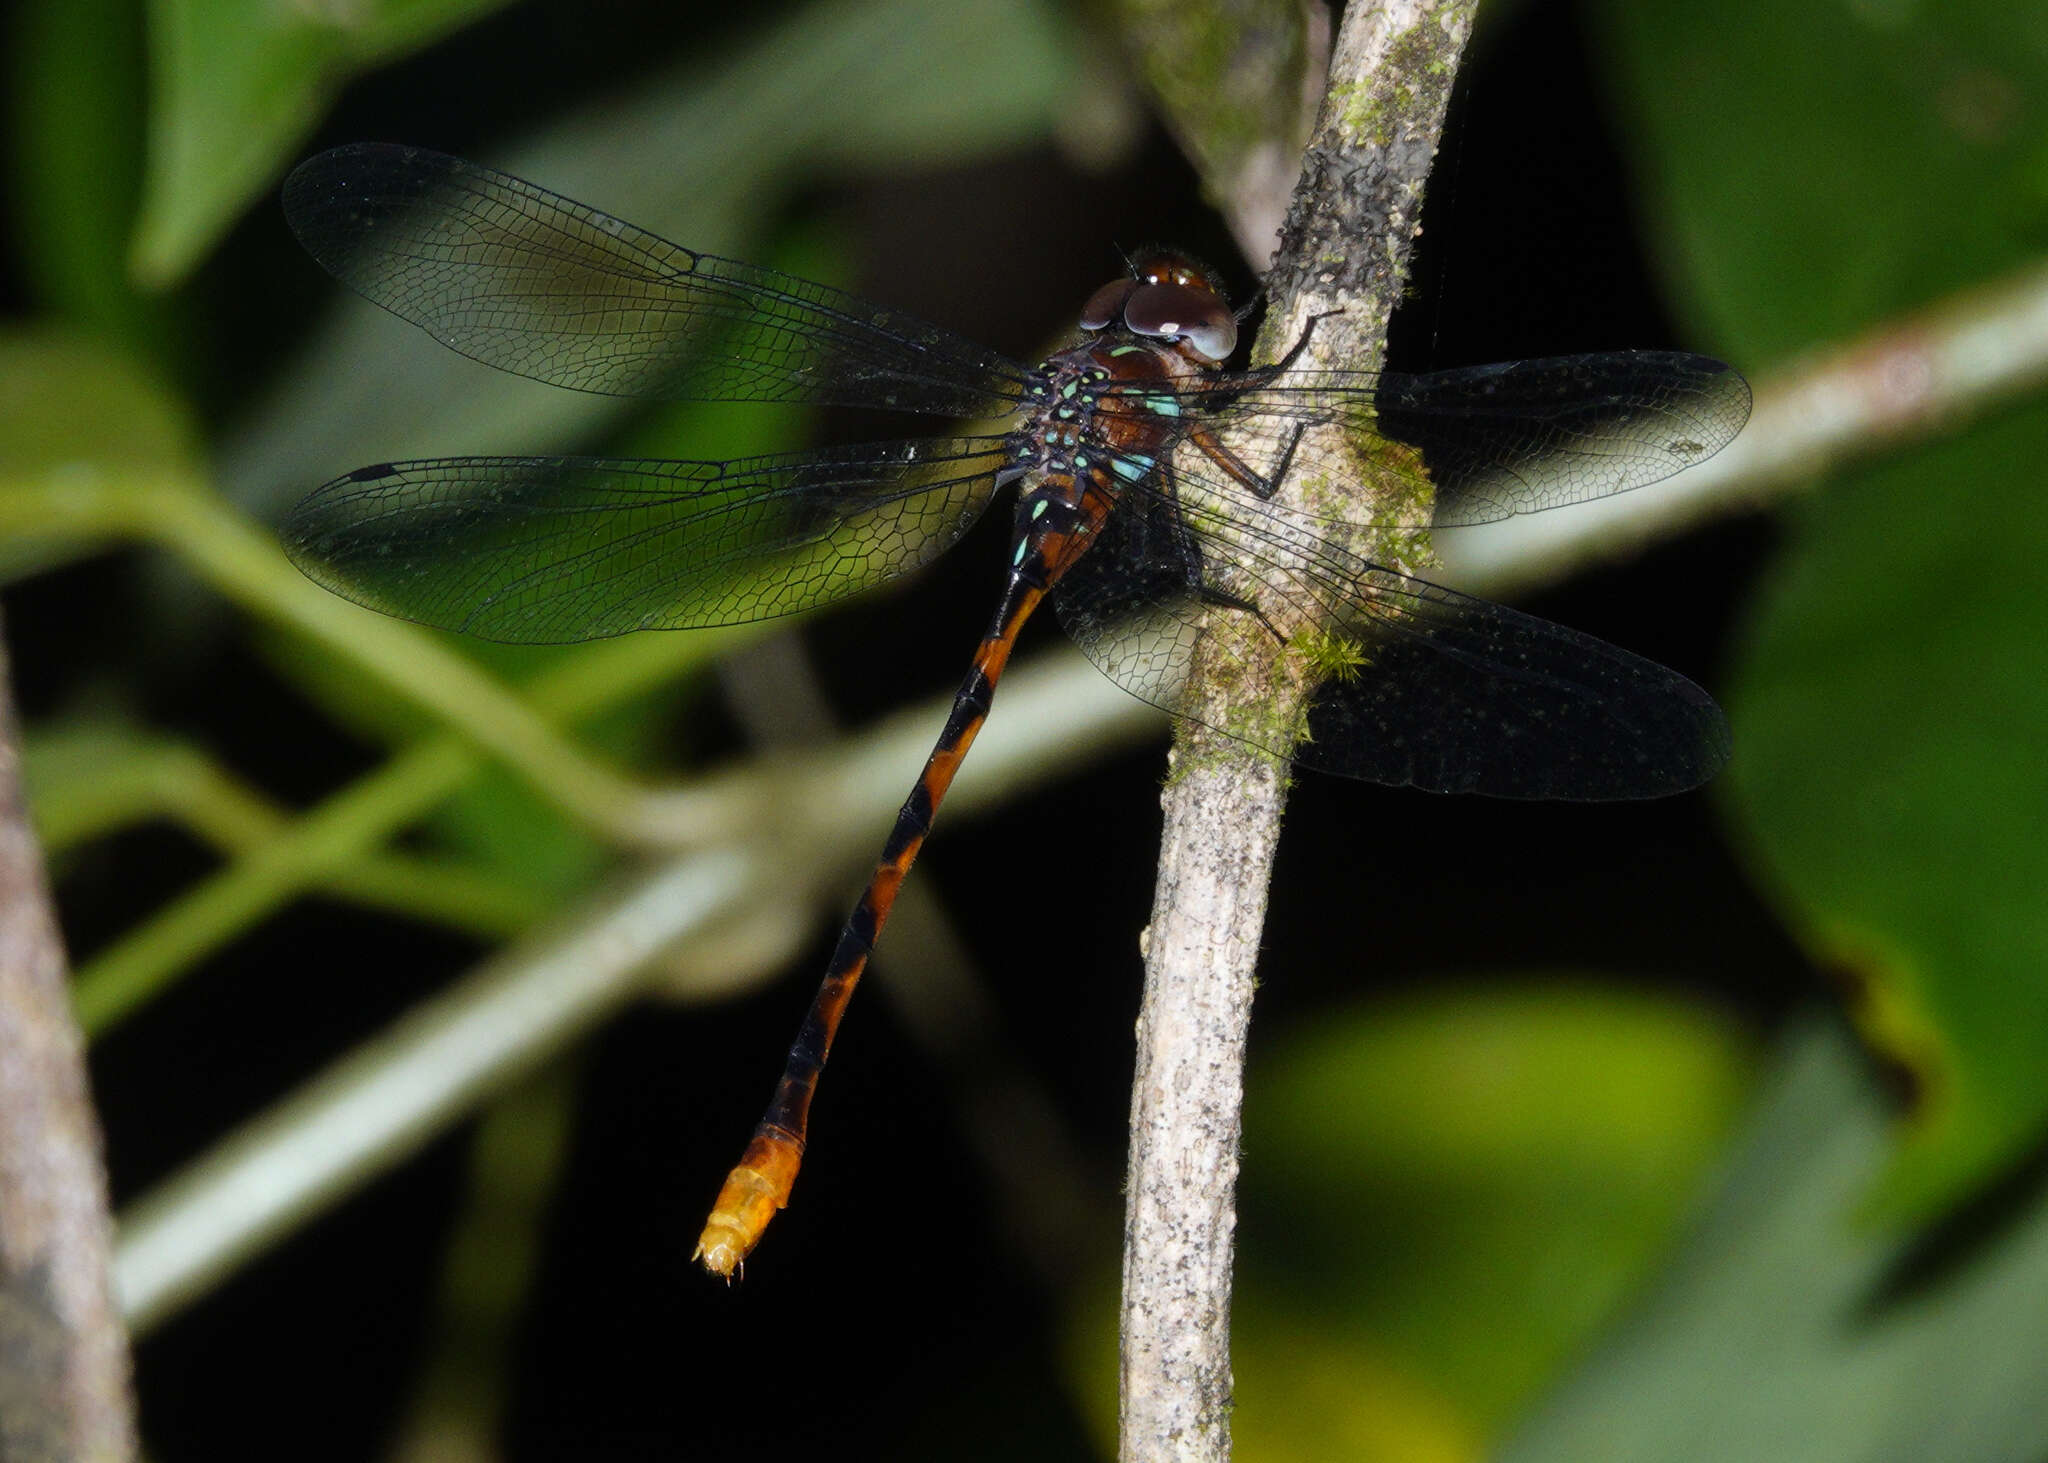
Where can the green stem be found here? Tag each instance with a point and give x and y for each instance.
(327, 845)
(440, 891)
(113, 782)
(244, 563)
(120, 979)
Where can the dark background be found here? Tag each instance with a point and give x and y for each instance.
(850, 1322)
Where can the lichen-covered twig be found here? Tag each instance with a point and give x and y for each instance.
(1344, 253)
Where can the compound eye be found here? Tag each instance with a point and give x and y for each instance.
(1187, 313)
(1106, 306)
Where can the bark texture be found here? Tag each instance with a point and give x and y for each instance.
(1343, 257)
(64, 1393)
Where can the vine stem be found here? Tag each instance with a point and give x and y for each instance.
(1343, 256)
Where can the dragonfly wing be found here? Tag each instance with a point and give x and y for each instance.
(1453, 694)
(1130, 601)
(1422, 686)
(545, 550)
(1530, 435)
(1499, 440)
(532, 283)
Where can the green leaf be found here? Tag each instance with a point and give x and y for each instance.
(1442, 1198)
(1473, 1180)
(74, 110)
(70, 405)
(86, 421)
(1812, 168)
(1888, 712)
(699, 154)
(237, 86)
(1893, 708)
(1787, 1331)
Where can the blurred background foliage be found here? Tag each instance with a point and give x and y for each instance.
(1557, 1141)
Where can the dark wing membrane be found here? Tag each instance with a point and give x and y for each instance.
(543, 550)
(1422, 686)
(1500, 440)
(1130, 601)
(529, 282)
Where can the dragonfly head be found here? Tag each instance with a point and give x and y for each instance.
(1168, 297)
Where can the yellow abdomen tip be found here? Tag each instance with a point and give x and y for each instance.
(757, 1187)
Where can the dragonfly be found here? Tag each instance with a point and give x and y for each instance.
(1147, 474)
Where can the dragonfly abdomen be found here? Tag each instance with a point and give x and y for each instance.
(760, 1183)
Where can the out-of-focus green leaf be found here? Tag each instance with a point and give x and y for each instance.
(69, 405)
(74, 99)
(698, 155)
(1443, 1197)
(1473, 1180)
(1786, 1330)
(500, 824)
(1894, 708)
(1890, 715)
(1301, 1388)
(1812, 168)
(237, 85)
(1307, 1391)
(76, 414)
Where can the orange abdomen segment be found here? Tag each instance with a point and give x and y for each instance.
(758, 1186)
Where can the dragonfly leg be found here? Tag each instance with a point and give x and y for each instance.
(1301, 344)
(1187, 549)
(1279, 473)
(1261, 485)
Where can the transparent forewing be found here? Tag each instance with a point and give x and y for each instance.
(529, 282)
(543, 550)
(1131, 603)
(1499, 440)
(1416, 685)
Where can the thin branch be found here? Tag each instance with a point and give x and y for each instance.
(63, 1354)
(95, 784)
(336, 836)
(245, 564)
(1345, 249)
(1904, 381)
(392, 1094)
(1237, 82)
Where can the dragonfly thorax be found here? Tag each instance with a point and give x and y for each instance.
(1059, 427)
(1104, 412)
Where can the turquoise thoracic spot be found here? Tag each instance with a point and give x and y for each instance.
(1166, 406)
(1070, 388)
(1131, 468)
(1038, 510)
(1127, 350)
